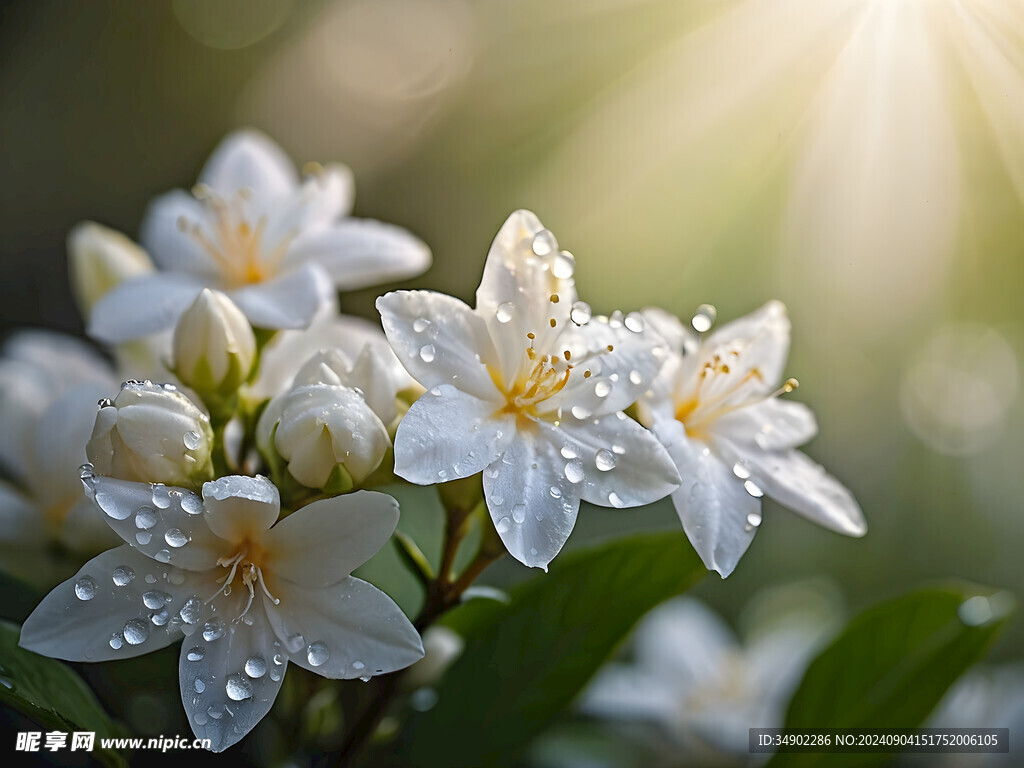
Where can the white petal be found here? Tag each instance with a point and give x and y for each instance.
(324, 542)
(249, 159)
(290, 300)
(531, 502)
(239, 507)
(142, 306)
(361, 252)
(440, 340)
(773, 424)
(323, 197)
(373, 374)
(766, 332)
(230, 683)
(84, 530)
(622, 464)
(718, 515)
(677, 336)
(797, 482)
(57, 355)
(448, 434)
(620, 692)
(165, 234)
(133, 606)
(686, 643)
(21, 522)
(348, 630)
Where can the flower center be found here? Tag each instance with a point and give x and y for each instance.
(246, 563)
(233, 242)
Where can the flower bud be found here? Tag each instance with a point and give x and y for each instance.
(99, 259)
(152, 433)
(369, 374)
(214, 345)
(327, 434)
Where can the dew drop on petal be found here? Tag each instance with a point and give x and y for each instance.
(580, 313)
(420, 324)
(278, 659)
(161, 497)
(213, 630)
(191, 440)
(555, 491)
(753, 520)
(635, 322)
(175, 538)
(505, 312)
(492, 471)
(602, 388)
(150, 578)
(636, 378)
(196, 653)
(214, 712)
(544, 243)
(199, 685)
(574, 471)
(616, 448)
(519, 513)
(87, 474)
(504, 525)
(116, 641)
(191, 504)
(160, 618)
(358, 665)
(563, 265)
(154, 599)
(255, 667)
(136, 631)
(85, 588)
(427, 353)
(143, 537)
(317, 654)
(740, 470)
(145, 518)
(753, 489)
(163, 556)
(122, 575)
(275, 674)
(704, 318)
(238, 688)
(615, 501)
(605, 460)
(568, 452)
(112, 510)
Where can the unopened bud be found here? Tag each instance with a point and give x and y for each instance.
(214, 345)
(100, 258)
(152, 433)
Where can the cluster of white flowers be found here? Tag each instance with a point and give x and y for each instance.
(237, 314)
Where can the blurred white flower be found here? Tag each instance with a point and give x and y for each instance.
(99, 259)
(248, 597)
(528, 391)
(715, 408)
(49, 386)
(252, 230)
(214, 345)
(152, 433)
(699, 684)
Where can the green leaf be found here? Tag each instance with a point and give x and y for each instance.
(526, 660)
(892, 664)
(51, 694)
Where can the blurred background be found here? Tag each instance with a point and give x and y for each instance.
(861, 160)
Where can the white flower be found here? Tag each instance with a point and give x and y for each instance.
(249, 598)
(715, 408)
(100, 258)
(49, 386)
(521, 392)
(703, 688)
(274, 244)
(214, 345)
(152, 432)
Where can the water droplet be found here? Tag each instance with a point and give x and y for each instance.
(740, 470)
(635, 322)
(615, 501)
(563, 265)
(238, 688)
(87, 474)
(136, 631)
(154, 599)
(442, 475)
(505, 312)
(317, 654)
(753, 520)
(161, 498)
(116, 641)
(214, 712)
(85, 588)
(143, 537)
(704, 318)
(358, 665)
(568, 452)
(112, 510)
(177, 578)
(580, 313)
(555, 491)
(122, 575)
(196, 653)
(191, 504)
(199, 685)
(602, 388)
(544, 243)
(255, 667)
(278, 659)
(191, 611)
(163, 556)
(519, 513)
(213, 630)
(150, 578)
(753, 489)
(145, 517)
(636, 378)
(427, 353)
(275, 674)
(496, 501)
(574, 471)
(504, 525)
(420, 324)
(579, 412)
(605, 460)
(191, 440)
(175, 538)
